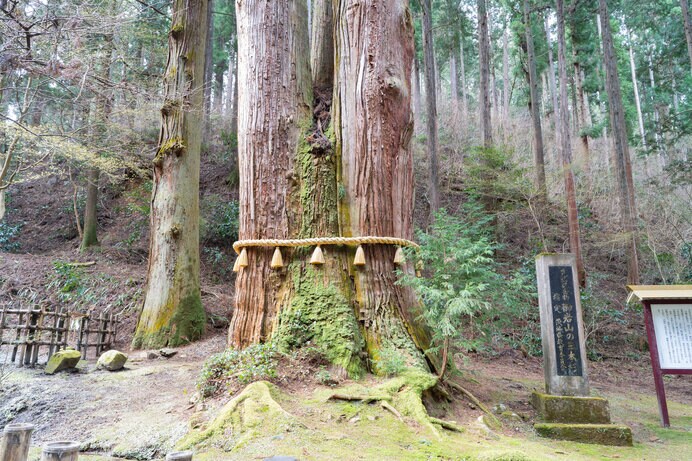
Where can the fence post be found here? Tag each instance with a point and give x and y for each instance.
(179, 456)
(60, 451)
(15, 442)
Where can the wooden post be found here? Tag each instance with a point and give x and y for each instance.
(60, 451)
(15, 442)
(179, 456)
(656, 366)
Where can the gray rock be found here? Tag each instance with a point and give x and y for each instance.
(112, 360)
(167, 352)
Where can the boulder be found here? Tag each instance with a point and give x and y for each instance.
(167, 352)
(63, 360)
(112, 360)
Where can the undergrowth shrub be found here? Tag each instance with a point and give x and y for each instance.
(232, 369)
(8, 233)
(458, 271)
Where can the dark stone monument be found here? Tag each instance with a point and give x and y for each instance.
(566, 409)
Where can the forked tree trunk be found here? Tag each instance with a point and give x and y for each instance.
(172, 313)
(358, 183)
(621, 155)
(538, 152)
(431, 102)
(484, 82)
(566, 147)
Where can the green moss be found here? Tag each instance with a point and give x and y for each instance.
(251, 413)
(602, 434)
(185, 325)
(568, 409)
(320, 315)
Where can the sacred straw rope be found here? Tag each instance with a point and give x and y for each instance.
(237, 246)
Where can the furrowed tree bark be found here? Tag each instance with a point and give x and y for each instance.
(688, 28)
(431, 102)
(621, 157)
(90, 234)
(172, 313)
(307, 174)
(566, 147)
(583, 115)
(322, 45)
(538, 152)
(484, 81)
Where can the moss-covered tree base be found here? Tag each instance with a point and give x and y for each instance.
(186, 325)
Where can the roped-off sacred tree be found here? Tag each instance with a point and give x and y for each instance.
(331, 163)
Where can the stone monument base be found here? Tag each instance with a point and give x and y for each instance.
(579, 419)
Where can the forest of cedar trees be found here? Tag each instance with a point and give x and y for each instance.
(311, 226)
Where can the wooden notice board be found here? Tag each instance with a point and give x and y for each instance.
(668, 319)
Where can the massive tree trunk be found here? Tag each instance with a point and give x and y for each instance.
(538, 153)
(565, 146)
(431, 102)
(208, 66)
(484, 82)
(688, 28)
(301, 178)
(621, 155)
(172, 313)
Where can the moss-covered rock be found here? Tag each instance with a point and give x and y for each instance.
(567, 409)
(63, 360)
(602, 434)
(112, 360)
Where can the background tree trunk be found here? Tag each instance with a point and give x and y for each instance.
(431, 102)
(90, 234)
(621, 156)
(688, 27)
(566, 147)
(484, 82)
(464, 94)
(534, 107)
(505, 83)
(172, 313)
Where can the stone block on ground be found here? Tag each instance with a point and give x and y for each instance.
(566, 409)
(602, 434)
(63, 360)
(167, 352)
(112, 360)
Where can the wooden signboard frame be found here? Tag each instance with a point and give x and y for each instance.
(652, 296)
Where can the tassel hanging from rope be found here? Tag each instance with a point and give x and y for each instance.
(240, 261)
(277, 259)
(317, 257)
(359, 260)
(399, 257)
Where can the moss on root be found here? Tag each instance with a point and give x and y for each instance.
(254, 412)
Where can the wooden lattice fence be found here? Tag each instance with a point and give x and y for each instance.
(33, 333)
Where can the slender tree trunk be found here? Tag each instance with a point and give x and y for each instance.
(551, 81)
(417, 97)
(505, 84)
(534, 107)
(172, 313)
(360, 182)
(454, 88)
(431, 91)
(688, 28)
(484, 82)
(464, 93)
(102, 110)
(565, 146)
(621, 160)
(637, 100)
(89, 236)
(230, 83)
(208, 67)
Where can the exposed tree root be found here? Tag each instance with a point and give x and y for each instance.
(475, 401)
(449, 425)
(251, 413)
(391, 409)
